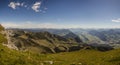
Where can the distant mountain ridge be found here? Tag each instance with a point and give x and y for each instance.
(99, 36)
(50, 40)
(89, 36)
(42, 42)
(66, 33)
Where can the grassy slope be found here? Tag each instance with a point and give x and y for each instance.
(1, 28)
(2, 38)
(86, 57)
(89, 57)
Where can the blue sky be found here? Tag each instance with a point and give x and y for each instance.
(60, 13)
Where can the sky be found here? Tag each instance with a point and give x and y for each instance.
(60, 13)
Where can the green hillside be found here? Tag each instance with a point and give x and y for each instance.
(2, 37)
(1, 27)
(82, 57)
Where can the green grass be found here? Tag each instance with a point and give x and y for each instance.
(2, 38)
(85, 57)
(88, 57)
(1, 28)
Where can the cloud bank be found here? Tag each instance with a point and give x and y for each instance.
(54, 25)
(36, 25)
(116, 20)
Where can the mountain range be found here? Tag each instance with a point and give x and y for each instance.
(46, 46)
(61, 40)
(57, 40)
(89, 36)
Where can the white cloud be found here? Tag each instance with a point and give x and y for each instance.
(36, 6)
(25, 6)
(116, 20)
(22, 4)
(36, 25)
(13, 5)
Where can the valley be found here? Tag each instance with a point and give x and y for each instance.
(28, 47)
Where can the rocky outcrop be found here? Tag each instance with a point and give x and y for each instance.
(41, 42)
(9, 40)
(5, 38)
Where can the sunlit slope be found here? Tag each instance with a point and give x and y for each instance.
(2, 36)
(88, 57)
(82, 57)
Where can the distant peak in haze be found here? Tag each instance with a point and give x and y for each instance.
(29, 25)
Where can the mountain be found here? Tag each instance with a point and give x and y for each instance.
(99, 36)
(111, 35)
(56, 40)
(29, 45)
(86, 37)
(42, 42)
(66, 33)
